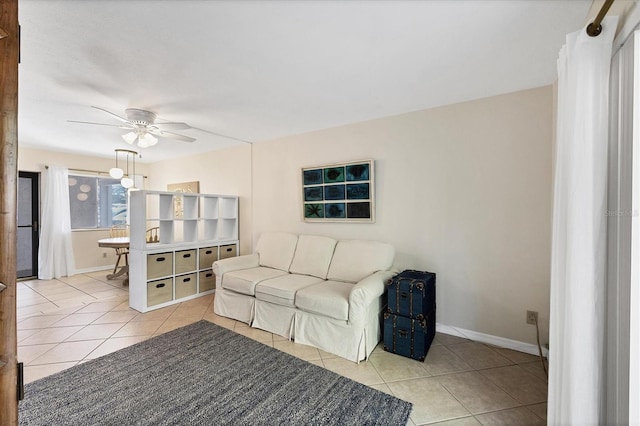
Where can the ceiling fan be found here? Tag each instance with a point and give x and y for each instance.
(143, 127)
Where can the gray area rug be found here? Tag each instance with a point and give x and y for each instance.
(203, 374)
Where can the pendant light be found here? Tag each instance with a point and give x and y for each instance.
(117, 173)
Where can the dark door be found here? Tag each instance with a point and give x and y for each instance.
(28, 236)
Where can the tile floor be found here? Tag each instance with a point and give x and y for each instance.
(65, 322)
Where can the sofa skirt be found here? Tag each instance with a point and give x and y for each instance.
(274, 318)
(350, 341)
(234, 305)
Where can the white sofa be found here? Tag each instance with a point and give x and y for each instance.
(316, 290)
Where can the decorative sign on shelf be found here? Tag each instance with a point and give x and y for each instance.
(191, 187)
(338, 192)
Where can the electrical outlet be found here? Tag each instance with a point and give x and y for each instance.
(104, 255)
(532, 317)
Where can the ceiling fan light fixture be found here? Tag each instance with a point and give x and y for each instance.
(130, 137)
(116, 172)
(147, 140)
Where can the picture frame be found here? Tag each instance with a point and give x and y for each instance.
(340, 192)
(190, 187)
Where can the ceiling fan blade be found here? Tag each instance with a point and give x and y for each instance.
(112, 114)
(171, 135)
(173, 125)
(119, 126)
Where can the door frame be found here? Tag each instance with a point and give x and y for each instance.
(9, 57)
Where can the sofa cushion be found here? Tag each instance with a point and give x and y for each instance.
(282, 290)
(328, 298)
(354, 260)
(313, 256)
(244, 280)
(276, 249)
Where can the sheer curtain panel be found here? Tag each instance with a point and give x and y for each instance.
(578, 255)
(55, 253)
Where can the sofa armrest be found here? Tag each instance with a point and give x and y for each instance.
(364, 293)
(222, 266)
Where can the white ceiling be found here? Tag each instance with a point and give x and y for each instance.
(259, 70)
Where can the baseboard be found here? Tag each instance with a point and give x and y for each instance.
(491, 340)
(94, 269)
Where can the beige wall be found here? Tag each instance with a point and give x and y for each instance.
(462, 190)
(87, 254)
(226, 172)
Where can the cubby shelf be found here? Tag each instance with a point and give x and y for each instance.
(193, 231)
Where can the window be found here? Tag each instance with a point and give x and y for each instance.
(96, 202)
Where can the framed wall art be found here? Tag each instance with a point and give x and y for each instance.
(191, 187)
(341, 192)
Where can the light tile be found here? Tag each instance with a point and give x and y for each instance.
(515, 356)
(464, 421)
(440, 360)
(42, 321)
(363, 372)
(448, 339)
(523, 386)
(157, 315)
(173, 324)
(189, 310)
(23, 334)
(116, 316)
(79, 319)
(317, 362)
(382, 387)
(50, 335)
(431, 401)
(115, 343)
(111, 293)
(513, 416)
(74, 302)
(255, 334)
(26, 354)
(539, 410)
(392, 367)
(124, 306)
(30, 300)
(72, 294)
(536, 369)
(33, 310)
(105, 306)
(35, 372)
(141, 328)
(92, 287)
(478, 355)
(95, 331)
(221, 321)
(323, 354)
(68, 351)
(476, 393)
(304, 352)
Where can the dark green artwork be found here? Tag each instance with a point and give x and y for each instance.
(357, 172)
(334, 174)
(339, 192)
(314, 211)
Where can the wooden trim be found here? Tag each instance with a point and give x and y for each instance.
(9, 52)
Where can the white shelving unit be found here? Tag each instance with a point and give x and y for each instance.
(194, 231)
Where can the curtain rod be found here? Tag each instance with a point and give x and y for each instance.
(99, 172)
(594, 29)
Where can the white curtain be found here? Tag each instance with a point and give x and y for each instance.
(578, 267)
(55, 253)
